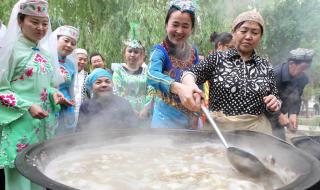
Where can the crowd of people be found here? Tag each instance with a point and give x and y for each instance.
(47, 91)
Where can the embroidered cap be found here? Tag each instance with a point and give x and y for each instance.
(80, 51)
(252, 15)
(69, 31)
(34, 8)
(301, 54)
(183, 5)
(133, 44)
(133, 36)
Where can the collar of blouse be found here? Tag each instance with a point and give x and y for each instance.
(234, 54)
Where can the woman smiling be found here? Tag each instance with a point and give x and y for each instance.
(168, 60)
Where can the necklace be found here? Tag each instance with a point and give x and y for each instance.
(178, 63)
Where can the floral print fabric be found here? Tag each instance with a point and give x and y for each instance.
(27, 82)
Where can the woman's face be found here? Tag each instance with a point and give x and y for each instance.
(66, 45)
(179, 27)
(97, 62)
(247, 37)
(102, 86)
(133, 56)
(34, 28)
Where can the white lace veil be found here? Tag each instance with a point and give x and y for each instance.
(12, 35)
(3, 30)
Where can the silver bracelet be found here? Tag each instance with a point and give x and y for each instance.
(188, 73)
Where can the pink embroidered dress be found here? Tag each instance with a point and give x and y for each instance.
(28, 81)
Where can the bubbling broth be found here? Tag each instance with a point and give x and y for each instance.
(153, 165)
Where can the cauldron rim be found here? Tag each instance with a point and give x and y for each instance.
(300, 140)
(24, 162)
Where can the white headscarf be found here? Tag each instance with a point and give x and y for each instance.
(80, 51)
(11, 37)
(72, 32)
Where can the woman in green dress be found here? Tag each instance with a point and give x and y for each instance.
(28, 75)
(130, 80)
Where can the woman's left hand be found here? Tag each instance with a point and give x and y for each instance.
(60, 99)
(272, 103)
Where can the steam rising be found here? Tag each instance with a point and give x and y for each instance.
(105, 113)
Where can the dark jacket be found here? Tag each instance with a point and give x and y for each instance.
(290, 89)
(111, 112)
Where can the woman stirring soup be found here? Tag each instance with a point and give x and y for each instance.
(242, 86)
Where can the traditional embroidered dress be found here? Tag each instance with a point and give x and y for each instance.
(163, 71)
(27, 77)
(133, 87)
(67, 121)
(28, 81)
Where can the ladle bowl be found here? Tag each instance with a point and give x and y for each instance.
(245, 162)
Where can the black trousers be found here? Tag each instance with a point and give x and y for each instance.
(2, 179)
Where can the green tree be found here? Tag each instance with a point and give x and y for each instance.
(291, 24)
(105, 24)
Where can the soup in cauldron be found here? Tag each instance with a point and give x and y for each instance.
(155, 164)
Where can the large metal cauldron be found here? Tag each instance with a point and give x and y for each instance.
(311, 145)
(34, 159)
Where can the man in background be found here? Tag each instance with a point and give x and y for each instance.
(80, 91)
(291, 80)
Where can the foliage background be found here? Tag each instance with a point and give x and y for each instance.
(105, 24)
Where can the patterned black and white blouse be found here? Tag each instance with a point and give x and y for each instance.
(236, 87)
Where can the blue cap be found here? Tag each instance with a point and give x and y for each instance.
(94, 75)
